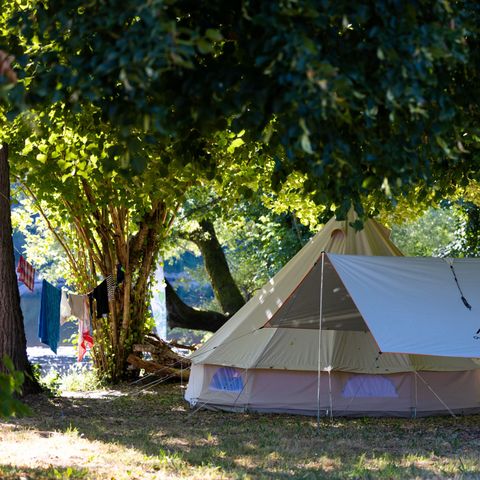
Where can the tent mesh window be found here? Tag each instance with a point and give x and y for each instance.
(362, 386)
(227, 379)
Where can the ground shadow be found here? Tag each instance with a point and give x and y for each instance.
(267, 446)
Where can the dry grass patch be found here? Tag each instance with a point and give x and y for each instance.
(125, 435)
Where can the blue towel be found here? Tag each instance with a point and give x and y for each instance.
(49, 319)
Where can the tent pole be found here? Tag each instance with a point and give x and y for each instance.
(330, 391)
(416, 395)
(320, 339)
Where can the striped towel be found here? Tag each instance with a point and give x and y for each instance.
(26, 273)
(111, 288)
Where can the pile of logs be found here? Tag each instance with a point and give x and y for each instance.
(165, 361)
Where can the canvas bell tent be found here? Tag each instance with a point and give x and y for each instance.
(398, 335)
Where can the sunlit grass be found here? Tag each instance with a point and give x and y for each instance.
(78, 378)
(127, 434)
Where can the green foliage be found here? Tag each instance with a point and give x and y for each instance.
(356, 103)
(184, 265)
(10, 386)
(51, 381)
(8, 472)
(190, 337)
(40, 247)
(453, 230)
(63, 168)
(466, 241)
(259, 229)
(137, 107)
(70, 196)
(428, 235)
(259, 243)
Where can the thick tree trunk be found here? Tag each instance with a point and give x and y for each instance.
(12, 333)
(181, 315)
(226, 290)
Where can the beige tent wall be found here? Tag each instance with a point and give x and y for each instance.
(297, 349)
(406, 394)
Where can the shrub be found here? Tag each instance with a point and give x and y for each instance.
(11, 386)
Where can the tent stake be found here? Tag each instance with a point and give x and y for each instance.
(320, 340)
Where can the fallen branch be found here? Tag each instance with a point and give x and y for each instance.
(153, 367)
(181, 346)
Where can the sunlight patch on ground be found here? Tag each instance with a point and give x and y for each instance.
(122, 434)
(38, 449)
(97, 394)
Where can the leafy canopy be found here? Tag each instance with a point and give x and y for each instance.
(361, 97)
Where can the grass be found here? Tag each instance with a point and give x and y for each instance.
(78, 378)
(125, 434)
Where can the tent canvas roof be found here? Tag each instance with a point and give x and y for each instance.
(302, 308)
(410, 305)
(242, 340)
(414, 305)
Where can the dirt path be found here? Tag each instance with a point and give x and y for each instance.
(61, 362)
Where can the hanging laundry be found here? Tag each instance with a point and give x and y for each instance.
(85, 339)
(120, 274)
(100, 295)
(26, 273)
(111, 288)
(65, 308)
(49, 319)
(80, 308)
(77, 305)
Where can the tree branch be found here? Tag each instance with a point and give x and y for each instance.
(179, 314)
(62, 242)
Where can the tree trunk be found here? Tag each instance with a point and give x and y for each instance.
(226, 290)
(12, 333)
(181, 315)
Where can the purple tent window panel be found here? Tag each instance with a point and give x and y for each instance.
(363, 386)
(227, 379)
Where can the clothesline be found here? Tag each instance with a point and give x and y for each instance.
(58, 305)
(17, 250)
(24, 264)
